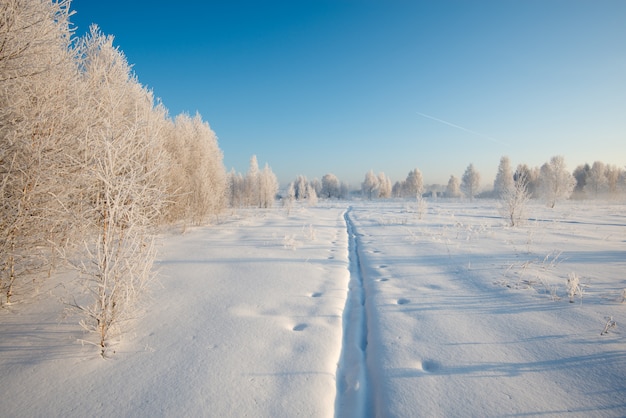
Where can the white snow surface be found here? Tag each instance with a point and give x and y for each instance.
(355, 309)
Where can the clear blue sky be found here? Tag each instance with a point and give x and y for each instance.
(345, 86)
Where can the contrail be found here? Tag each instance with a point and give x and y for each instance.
(461, 128)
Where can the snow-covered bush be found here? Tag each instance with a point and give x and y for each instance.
(573, 287)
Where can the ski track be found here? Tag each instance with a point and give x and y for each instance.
(354, 397)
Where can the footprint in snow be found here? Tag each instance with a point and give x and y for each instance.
(428, 366)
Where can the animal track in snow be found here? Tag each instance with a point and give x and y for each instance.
(428, 366)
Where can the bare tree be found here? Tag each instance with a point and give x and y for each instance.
(555, 181)
(470, 182)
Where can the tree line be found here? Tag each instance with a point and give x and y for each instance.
(551, 182)
(90, 163)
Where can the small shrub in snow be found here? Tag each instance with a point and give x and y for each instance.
(610, 323)
(289, 242)
(573, 287)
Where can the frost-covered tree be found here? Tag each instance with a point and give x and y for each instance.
(330, 186)
(555, 181)
(252, 183)
(311, 195)
(369, 187)
(268, 187)
(581, 173)
(122, 187)
(531, 175)
(41, 119)
(613, 174)
(397, 189)
(384, 186)
(317, 186)
(414, 184)
(453, 189)
(596, 181)
(344, 190)
(300, 186)
(236, 189)
(513, 201)
(470, 182)
(289, 197)
(504, 177)
(196, 177)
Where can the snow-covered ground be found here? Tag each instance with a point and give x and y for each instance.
(349, 309)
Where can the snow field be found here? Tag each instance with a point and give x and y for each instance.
(338, 310)
(243, 322)
(452, 331)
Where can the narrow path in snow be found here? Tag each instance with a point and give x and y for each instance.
(352, 375)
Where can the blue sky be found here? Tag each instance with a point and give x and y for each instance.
(345, 86)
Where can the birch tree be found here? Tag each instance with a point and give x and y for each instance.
(596, 181)
(369, 187)
(122, 188)
(39, 127)
(384, 186)
(470, 182)
(268, 187)
(453, 189)
(504, 177)
(513, 201)
(330, 186)
(555, 182)
(196, 176)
